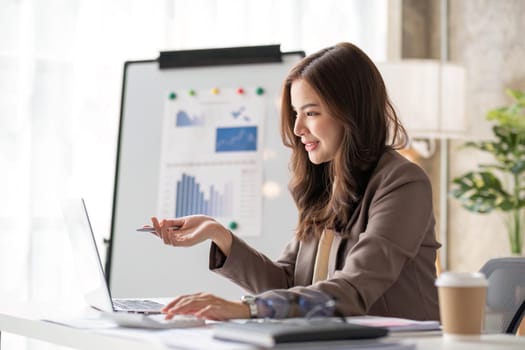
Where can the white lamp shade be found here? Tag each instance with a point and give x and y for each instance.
(428, 96)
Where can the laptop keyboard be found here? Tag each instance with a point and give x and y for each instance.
(136, 304)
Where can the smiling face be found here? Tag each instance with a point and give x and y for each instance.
(320, 133)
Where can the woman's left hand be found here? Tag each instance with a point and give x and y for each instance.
(208, 306)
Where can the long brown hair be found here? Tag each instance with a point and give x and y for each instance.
(353, 90)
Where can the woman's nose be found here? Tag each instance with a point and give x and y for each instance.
(299, 128)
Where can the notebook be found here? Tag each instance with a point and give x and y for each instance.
(88, 266)
(269, 333)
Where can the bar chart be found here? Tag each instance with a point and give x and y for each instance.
(228, 191)
(192, 198)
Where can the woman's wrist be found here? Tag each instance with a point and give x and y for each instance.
(223, 239)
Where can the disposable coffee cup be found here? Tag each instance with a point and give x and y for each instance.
(462, 299)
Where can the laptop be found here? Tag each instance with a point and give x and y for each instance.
(88, 266)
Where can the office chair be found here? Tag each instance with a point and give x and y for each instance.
(517, 324)
(505, 305)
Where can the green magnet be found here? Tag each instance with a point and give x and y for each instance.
(233, 225)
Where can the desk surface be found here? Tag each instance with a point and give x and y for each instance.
(23, 320)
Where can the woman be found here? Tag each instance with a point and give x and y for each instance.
(365, 236)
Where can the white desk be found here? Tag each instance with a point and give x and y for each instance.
(22, 320)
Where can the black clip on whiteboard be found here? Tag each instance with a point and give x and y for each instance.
(220, 56)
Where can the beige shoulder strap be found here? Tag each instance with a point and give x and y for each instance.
(323, 253)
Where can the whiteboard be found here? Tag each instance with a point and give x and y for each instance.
(139, 264)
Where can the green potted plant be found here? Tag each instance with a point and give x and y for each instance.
(501, 185)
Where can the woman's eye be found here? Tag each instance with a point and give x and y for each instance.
(311, 113)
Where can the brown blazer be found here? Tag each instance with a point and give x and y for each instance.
(385, 266)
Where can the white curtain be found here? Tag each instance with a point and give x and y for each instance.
(60, 81)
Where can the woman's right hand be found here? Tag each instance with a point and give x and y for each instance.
(188, 231)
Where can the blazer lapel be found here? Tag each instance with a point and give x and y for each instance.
(304, 267)
(338, 239)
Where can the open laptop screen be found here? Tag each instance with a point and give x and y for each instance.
(85, 254)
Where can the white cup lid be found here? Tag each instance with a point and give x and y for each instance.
(462, 279)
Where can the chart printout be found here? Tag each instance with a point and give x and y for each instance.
(211, 157)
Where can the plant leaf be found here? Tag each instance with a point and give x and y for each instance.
(518, 167)
(515, 94)
(481, 192)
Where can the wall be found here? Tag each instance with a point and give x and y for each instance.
(485, 37)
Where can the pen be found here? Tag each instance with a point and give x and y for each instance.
(152, 229)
